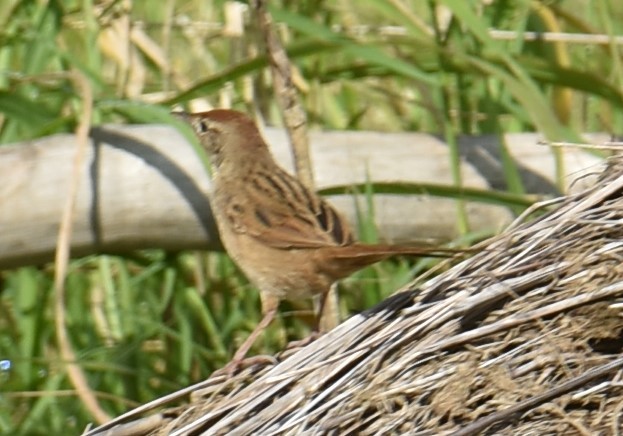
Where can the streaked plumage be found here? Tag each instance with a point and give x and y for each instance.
(288, 241)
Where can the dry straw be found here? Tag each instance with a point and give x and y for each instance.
(525, 338)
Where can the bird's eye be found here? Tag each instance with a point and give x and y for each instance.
(203, 127)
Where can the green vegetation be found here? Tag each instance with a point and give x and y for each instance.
(153, 322)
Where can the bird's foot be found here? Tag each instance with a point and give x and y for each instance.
(237, 365)
(303, 342)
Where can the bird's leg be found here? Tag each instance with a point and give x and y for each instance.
(269, 309)
(328, 314)
(327, 317)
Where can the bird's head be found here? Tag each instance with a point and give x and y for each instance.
(230, 138)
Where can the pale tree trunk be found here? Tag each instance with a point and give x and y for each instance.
(144, 187)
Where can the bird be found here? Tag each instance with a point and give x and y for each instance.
(288, 241)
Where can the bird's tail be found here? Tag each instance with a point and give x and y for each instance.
(345, 260)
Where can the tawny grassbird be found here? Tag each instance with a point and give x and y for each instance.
(290, 243)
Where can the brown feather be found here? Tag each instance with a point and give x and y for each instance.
(288, 241)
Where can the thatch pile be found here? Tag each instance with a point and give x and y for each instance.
(523, 338)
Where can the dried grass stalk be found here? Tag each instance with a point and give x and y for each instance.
(523, 338)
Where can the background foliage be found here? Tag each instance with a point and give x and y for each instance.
(152, 322)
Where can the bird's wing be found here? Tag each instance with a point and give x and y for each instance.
(280, 212)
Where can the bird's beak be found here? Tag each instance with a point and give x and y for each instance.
(183, 116)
